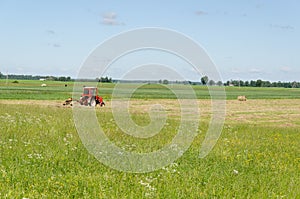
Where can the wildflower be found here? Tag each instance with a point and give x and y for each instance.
(38, 156)
(144, 183)
(26, 143)
(235, 172)
(148, 186)
(74, 148)
(69, 135)
(67, 142)
(35, 155)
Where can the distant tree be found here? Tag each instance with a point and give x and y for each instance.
(165, 81)
(204, 80)
(105, 79)
(227, 83)
(252, 83)
(211, 82)
(235, 82)
(266, 84)
(247, 83)
(279, 84)
(241, 83)
(219, 83)
(274, 84)
(63, 79)
(259, 83)
(287, 85)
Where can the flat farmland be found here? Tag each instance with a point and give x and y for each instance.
(256, 156)
(55, 90)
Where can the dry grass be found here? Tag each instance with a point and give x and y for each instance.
(281, 112)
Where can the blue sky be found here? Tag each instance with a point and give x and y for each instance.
(246, 39)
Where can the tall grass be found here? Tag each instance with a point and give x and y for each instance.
(41, 156)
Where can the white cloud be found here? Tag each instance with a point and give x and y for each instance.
(110, 15)
(108, 21)
(110, 18)
(285, 69)
(255, 70)
(282, 27)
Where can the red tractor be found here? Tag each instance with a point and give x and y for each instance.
(90, 97)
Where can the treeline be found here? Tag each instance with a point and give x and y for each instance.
(262, 83)
(35, 77)
(252, 83)
(203, 81)
(104, 79)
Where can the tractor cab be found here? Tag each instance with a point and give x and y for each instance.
(89, 92)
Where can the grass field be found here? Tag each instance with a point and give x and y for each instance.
(42, 156)
(55, 90)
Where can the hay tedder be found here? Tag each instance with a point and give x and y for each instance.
(89, 97)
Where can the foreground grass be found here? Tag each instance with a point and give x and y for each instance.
(41, 156)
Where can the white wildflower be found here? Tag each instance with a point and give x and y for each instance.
(74, 148)
(235, 172)
(26, 143)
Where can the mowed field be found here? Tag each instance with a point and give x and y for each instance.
(42, 156)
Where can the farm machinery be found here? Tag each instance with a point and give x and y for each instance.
(89, 97)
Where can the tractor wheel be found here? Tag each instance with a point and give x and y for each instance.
(93, 102)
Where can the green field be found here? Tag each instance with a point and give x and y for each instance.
(55, 90)
(42, 156)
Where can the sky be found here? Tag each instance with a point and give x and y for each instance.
(246, 39)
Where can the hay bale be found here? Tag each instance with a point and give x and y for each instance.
(43, 85)
(242, 98)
